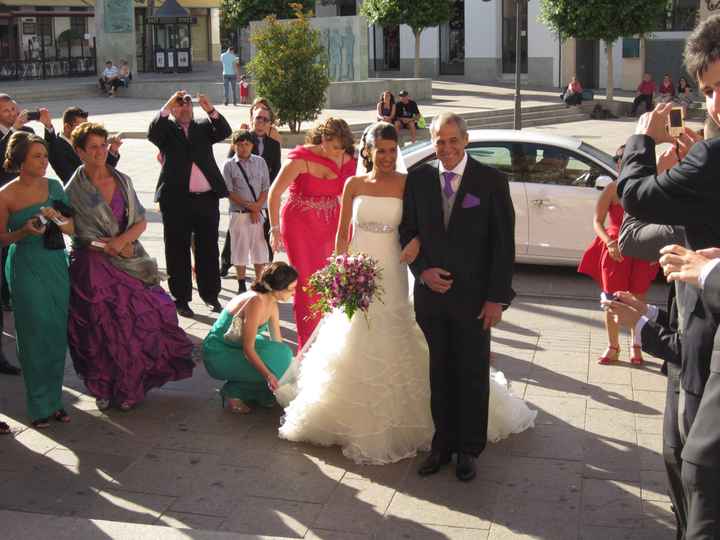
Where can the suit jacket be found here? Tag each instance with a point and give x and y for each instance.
(64, 159)
(703, 444)
(271, 154)
(181, 152)
(6, 176)
(687, 195)
(478, 247)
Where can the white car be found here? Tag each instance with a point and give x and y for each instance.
(554, 183)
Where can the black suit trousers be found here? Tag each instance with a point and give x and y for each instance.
(459, 382)
(198, 217)
(702, 489)
(672, 449)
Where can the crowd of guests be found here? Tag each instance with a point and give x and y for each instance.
(114, 77)
(648, 93)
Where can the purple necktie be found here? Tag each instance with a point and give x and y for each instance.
(447, 188)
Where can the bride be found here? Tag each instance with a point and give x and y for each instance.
(364, 385)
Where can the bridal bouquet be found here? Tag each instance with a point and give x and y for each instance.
(348, 282)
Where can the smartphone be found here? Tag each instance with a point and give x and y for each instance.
(447, 276)
(676, 121)
(97, 244)
(33, 116)
(41, 219)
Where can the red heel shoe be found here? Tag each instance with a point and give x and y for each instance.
(607, 359)
(637, 358)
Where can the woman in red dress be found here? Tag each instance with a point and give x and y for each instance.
(613, 271)
(306, 227)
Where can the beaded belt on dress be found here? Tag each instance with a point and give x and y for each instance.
(324, 205)
(372, 226)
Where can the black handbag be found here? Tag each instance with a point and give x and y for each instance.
(53, 237)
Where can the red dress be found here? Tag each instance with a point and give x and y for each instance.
(309, 221)
(633, 275)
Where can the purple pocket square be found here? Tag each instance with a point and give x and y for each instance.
(470, 201)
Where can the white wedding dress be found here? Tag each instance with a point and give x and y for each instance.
(364, 384)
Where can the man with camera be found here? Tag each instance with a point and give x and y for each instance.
(188, 190)
(62, 155)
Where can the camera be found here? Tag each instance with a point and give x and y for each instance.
(676, 121)
(187, 98)
(33, 116)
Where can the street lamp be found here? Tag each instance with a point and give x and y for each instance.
(519, 4)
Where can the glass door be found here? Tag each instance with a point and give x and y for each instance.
(452, 41)
(508, 37)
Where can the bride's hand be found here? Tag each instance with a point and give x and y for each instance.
(411, 251)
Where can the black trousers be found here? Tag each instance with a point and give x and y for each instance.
(572, 98)
(459, 382)
(198, 216)
(702, 489)
(642, 98)
(688, 406)
(672, 450)
(226, 256)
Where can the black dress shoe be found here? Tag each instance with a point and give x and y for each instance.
(465, 470)
(433, 463)
(214, 306)
(224, 269)
(183, 309)
(8, 369)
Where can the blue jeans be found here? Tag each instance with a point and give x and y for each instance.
(230, 80)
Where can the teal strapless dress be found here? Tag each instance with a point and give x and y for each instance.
(40, 291)
(226, 361)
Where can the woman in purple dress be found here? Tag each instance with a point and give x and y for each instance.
(123, 329)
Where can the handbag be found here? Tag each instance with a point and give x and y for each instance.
(53, 237)
(421, 123)
(234, 333)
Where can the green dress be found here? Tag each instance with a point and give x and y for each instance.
(226, 361)
(40, 292)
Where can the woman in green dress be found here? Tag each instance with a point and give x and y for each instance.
(37, 276)
(245, 347)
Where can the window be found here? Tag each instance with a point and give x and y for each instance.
(552, 165)
(500, 156)
(631, 48)
(78, 25)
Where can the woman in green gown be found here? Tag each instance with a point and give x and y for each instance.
(37, 276)
(238, 348)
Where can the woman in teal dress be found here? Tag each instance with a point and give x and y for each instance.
(37, 276)
(245, 347)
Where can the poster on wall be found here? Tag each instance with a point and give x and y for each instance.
(159, 60)
(118, 16)
(183, 59)
(171, 59)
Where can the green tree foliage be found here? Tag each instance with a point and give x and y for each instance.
(608, 20)
(290, 69)
(240, 13)
(417, 14)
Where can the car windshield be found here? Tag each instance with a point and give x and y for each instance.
(598, 154)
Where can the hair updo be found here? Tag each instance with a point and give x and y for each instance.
(18, 149)
(276, 276)
(335, 129)
(379, 131)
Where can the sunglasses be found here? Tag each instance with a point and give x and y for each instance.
(262, 119)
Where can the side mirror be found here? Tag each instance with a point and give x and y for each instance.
(601, 182)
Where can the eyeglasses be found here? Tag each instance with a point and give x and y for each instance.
(262, 119)
(617, 159)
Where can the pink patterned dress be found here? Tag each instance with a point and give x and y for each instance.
(309, 221)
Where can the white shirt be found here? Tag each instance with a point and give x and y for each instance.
(110, 72)
(705, 272)
(459, 170)
(3, 130)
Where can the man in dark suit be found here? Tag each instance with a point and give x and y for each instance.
(463, 215)
(61, 153)
(269, 149)
(188, 190)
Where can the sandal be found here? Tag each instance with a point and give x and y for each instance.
(237, 406)
(637, 357)
(606, 358)
(41, 423)
(126, 406)
(4, 428)
(61, 416)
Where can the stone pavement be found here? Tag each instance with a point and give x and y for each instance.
(180, 467)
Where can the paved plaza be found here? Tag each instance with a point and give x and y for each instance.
(179, 467)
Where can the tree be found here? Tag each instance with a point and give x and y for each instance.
(240, 13)
(607, 20)
(417, 14)
(290, 68)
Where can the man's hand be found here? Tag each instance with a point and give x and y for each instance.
(255, 217)
(653, 124)
(205, 103)
(682, 264)
(45, 118)
(437, 279)
(174, 101)
(624, 314)
(21, 119)
(491, 314)
(631, 300)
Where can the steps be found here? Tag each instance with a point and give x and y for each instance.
(53, 92)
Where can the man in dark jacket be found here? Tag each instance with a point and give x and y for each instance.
(188, 190)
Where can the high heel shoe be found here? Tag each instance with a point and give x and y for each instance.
(637, 358)
(41, 423)
(236, 406)
(606, 358)
(61, 416)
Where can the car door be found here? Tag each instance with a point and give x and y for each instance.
(561, 195)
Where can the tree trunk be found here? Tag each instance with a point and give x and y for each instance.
(610, 73)
(417, 53)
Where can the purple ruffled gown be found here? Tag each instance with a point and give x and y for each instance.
(123, 336)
